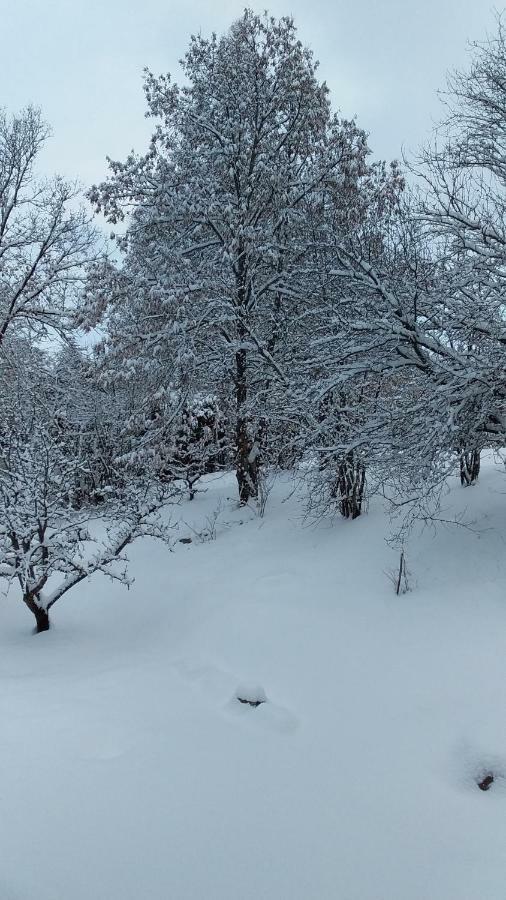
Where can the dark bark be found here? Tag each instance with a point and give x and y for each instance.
(349, 486)
(241, 436)
(469, 466)
(246, 474)
(41, 615)
(246, 470)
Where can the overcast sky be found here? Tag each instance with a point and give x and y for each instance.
(82, 61)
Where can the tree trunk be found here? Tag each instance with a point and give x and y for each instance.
(469, 466)
(243, 470)
(349, 486)
(41, 615)
(246, 469)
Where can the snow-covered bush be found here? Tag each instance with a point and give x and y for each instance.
(47, 546)
(201, 442)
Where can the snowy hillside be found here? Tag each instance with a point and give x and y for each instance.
(132, 772)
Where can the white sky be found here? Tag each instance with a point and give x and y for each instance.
(82, 60)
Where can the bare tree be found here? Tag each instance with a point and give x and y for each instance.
(45, 239)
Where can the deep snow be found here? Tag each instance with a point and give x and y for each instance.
(129, 771)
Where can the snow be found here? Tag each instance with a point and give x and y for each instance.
(130, 770)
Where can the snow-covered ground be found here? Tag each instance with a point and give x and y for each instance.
(129, 771)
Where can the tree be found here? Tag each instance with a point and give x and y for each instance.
(382, 362)
(47, 546)
(428, 311)
(44, 240)
(92, 421)
(337, 395)
(64, 437)
(217, 253)
(200, 442)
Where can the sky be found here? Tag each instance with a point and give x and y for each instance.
(81, 61)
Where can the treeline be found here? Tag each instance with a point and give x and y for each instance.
(272, 298)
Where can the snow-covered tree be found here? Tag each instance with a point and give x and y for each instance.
(64, 438)
(47, 547)
(92, 419)
(45, 240)
(217, 265)
(200, 442)
(336, 396)
(427, 317)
